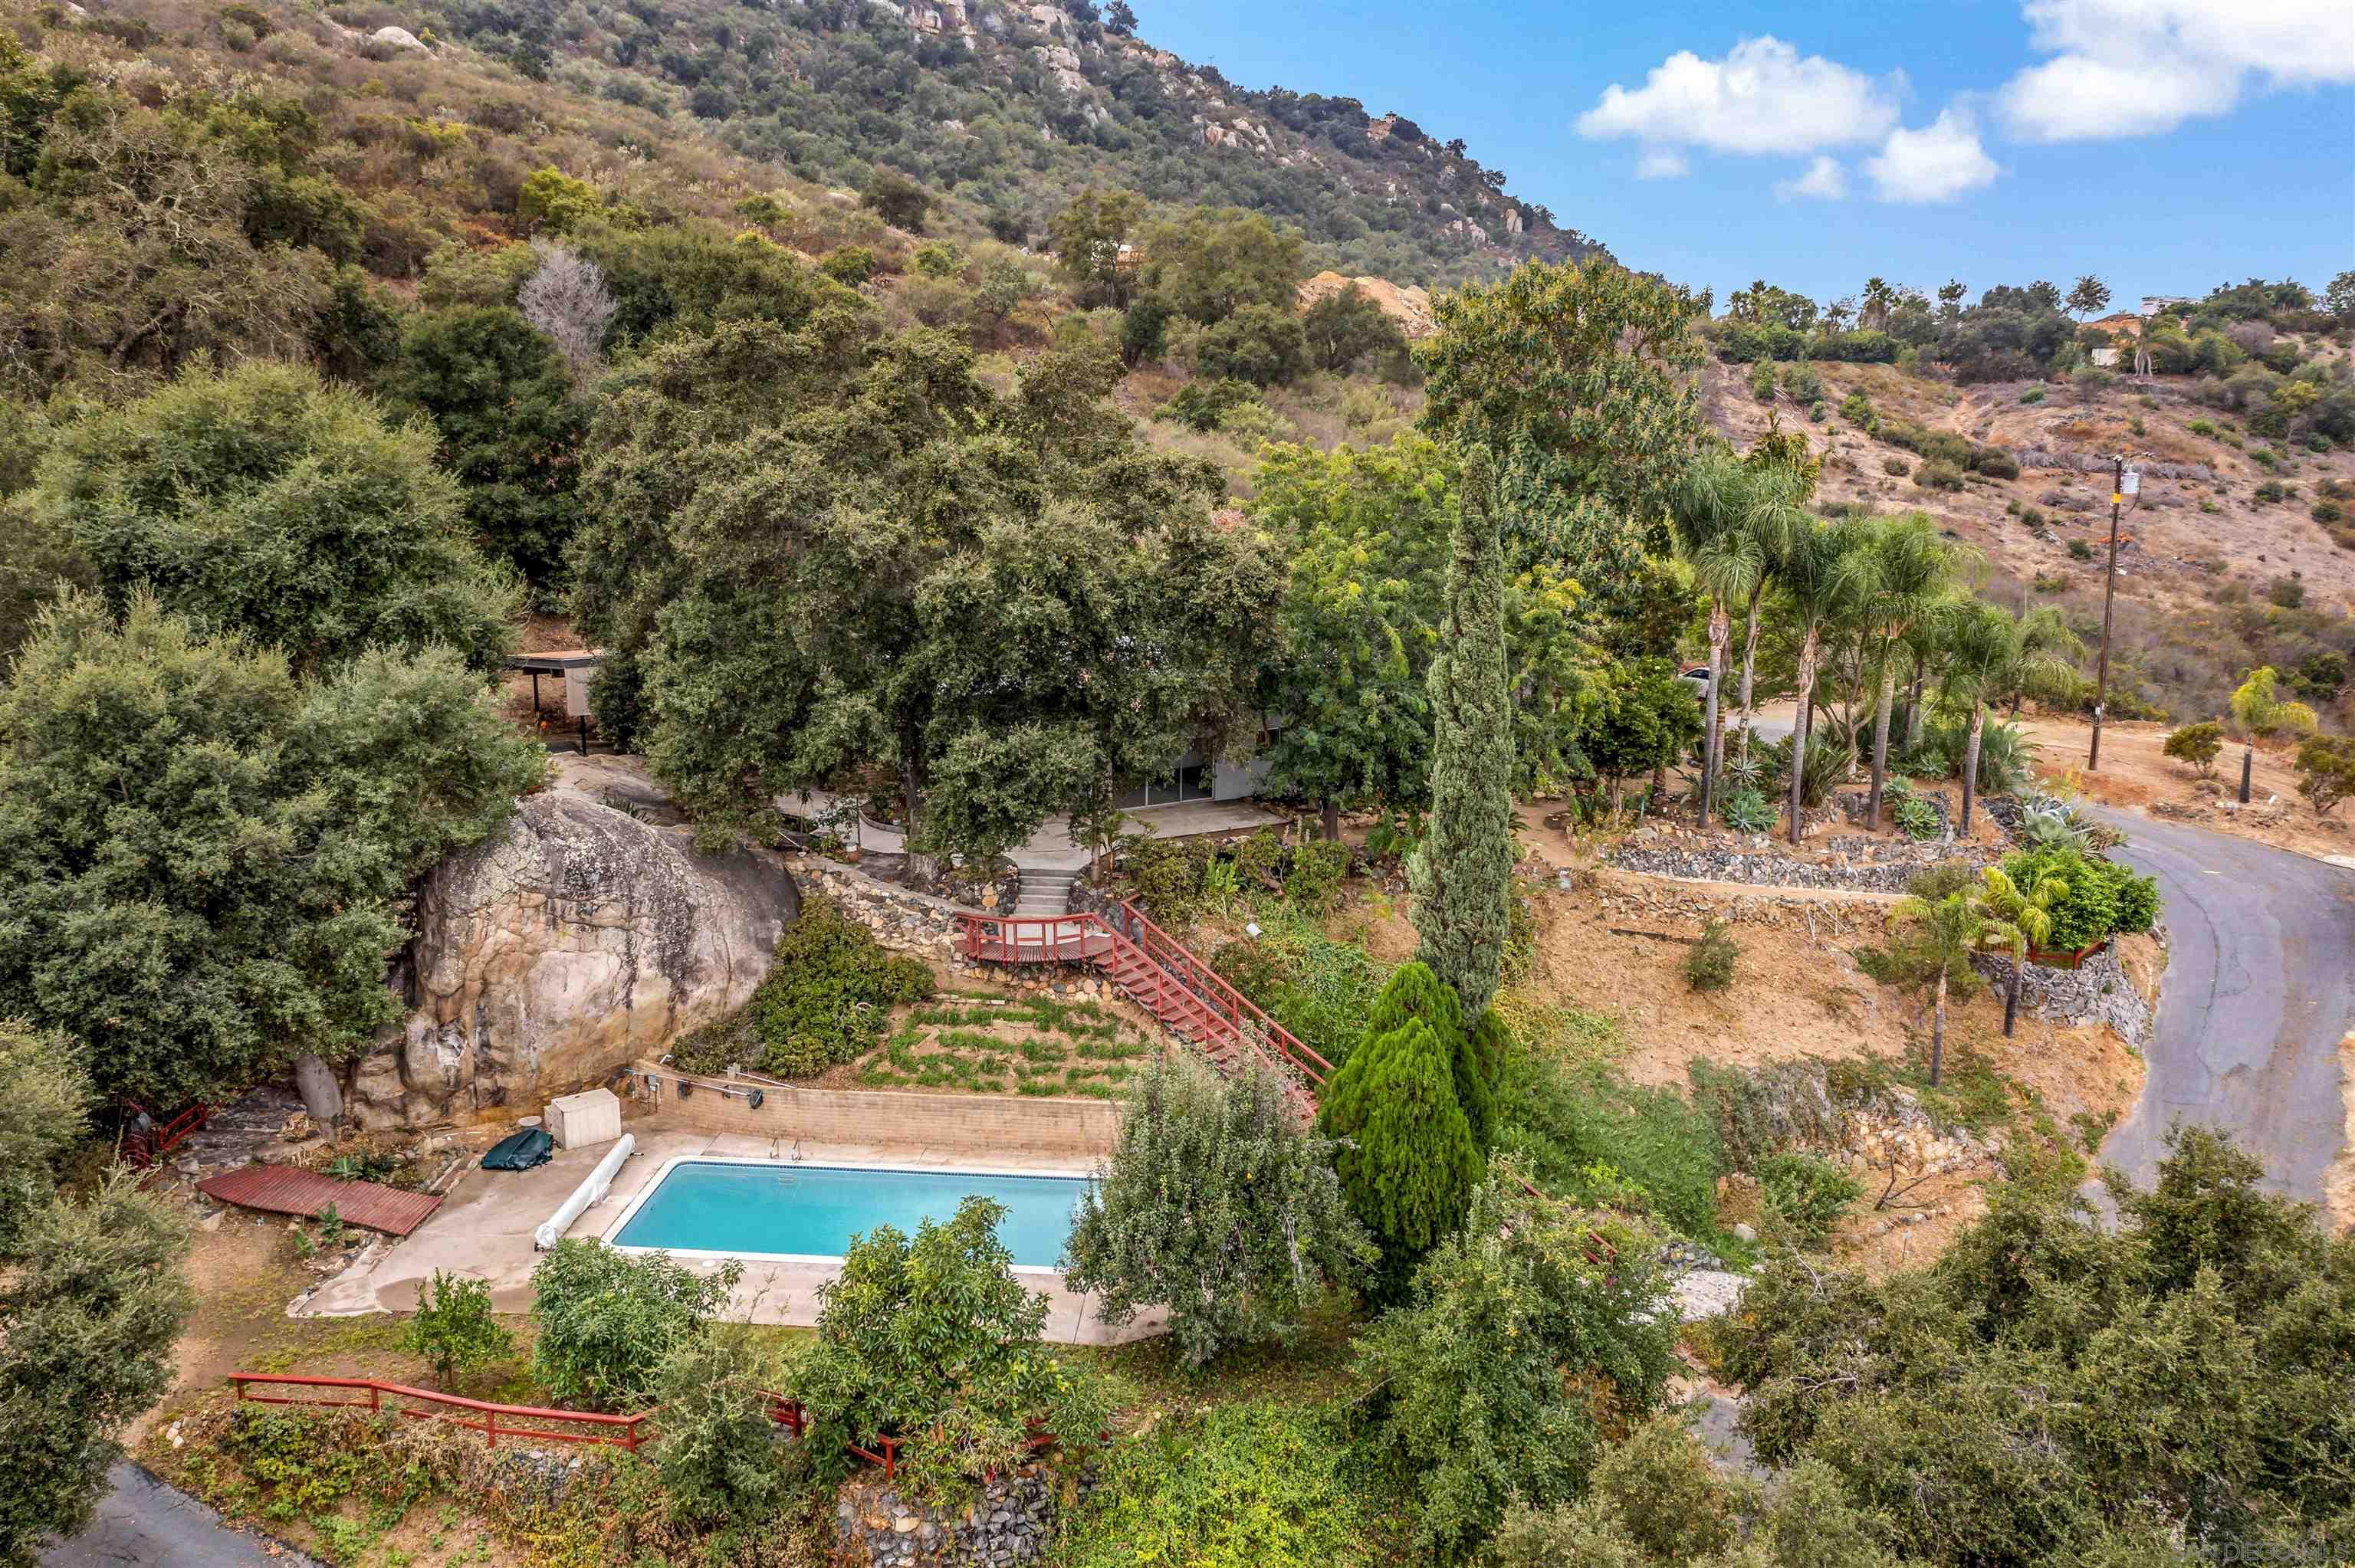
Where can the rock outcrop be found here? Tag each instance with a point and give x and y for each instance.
(547, 958)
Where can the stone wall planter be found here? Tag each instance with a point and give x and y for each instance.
(1011, 1523)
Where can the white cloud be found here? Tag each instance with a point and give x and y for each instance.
(1937, 163)
(2127, 68)
(1661, 164)
(1824, 180)
(1763, 97)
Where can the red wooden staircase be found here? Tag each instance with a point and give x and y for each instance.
(1192, 1001)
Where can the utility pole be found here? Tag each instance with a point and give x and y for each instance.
(2123, 482)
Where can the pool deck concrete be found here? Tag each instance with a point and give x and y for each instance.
(484, 1229)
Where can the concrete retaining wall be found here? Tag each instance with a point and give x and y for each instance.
(978, 1125)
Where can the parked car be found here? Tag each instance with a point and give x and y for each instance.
(1698, 674)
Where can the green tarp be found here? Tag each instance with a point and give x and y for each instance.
(527, 1148)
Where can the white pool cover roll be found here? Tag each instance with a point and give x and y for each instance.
(592, 1191)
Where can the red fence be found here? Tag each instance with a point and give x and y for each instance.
(508, 1421)
(497, 1421)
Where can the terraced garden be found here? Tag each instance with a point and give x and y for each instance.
(981, 1043)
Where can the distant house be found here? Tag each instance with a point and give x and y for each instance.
(2105, 358)
(2154, 304)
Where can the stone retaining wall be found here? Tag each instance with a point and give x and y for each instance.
(2095, 991)
(1012, 1521)
(1640, 897)
(1723, 864)
(1082, 1129)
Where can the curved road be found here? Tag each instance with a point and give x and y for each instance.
(2258, 993)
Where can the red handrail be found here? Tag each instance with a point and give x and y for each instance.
(1067, 938)
(629, 1435)
(1313, 1066)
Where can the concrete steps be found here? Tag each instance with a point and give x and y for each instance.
(1043, 893)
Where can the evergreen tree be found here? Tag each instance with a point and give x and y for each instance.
(1462, 874)
(1406, 1161)
(1414, 991)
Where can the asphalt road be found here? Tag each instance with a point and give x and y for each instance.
(142, 1523)
(2259, 991)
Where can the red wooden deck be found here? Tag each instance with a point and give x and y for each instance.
(283, 1190)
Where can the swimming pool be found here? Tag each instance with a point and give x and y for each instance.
(765, 1210)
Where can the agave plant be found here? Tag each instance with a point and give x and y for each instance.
(2050, 823)
(1826, 766)
(1747, 811)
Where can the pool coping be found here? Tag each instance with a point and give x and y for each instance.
(700, 1254)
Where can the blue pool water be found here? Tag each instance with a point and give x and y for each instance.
(812, 1211)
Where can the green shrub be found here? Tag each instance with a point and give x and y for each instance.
(1998, 464)
(1806, 1191)
(2286, 593)
(934, 1337)
(1896, 467)
(1167, 875)
(2031, 395)
(1938, 476)
(1803, 383)
(939, 259)
(825, 1001)
(1857, 409)
(717, 1456)
(1314, 877)
(2200, 427)
(2031, 517)
(1263, 344)
(2270, 492)
(1761, 381)
(1524, 1326)
(608, 1320)
(2328, 512)
(1709, 962)
(1201, 404)
(1319, 988)
(2080, 551)
(1260, 1484)
(852, 265)
(1218, 1206)
(453, 1329)
(1583, 1132)
(298, 1471)
(2104, 898)
(2326, 770)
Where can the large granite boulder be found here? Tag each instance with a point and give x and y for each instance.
(550, 955)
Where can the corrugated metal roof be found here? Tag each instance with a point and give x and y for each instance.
(285, 1190)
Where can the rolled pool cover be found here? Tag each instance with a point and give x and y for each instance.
(525, 1149)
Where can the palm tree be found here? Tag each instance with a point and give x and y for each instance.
(1908, 573)
(2019, 919)
(1988, 658)
(1817, 575)
(1879, 300)
(1901, 578)
(2045, 637)
(1784, 474)
(1712, 534)
(1946, 931)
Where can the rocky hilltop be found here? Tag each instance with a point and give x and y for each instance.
(1014, 106)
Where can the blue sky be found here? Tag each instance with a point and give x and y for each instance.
(2167, 146)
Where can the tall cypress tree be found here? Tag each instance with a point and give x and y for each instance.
(1462, 876)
